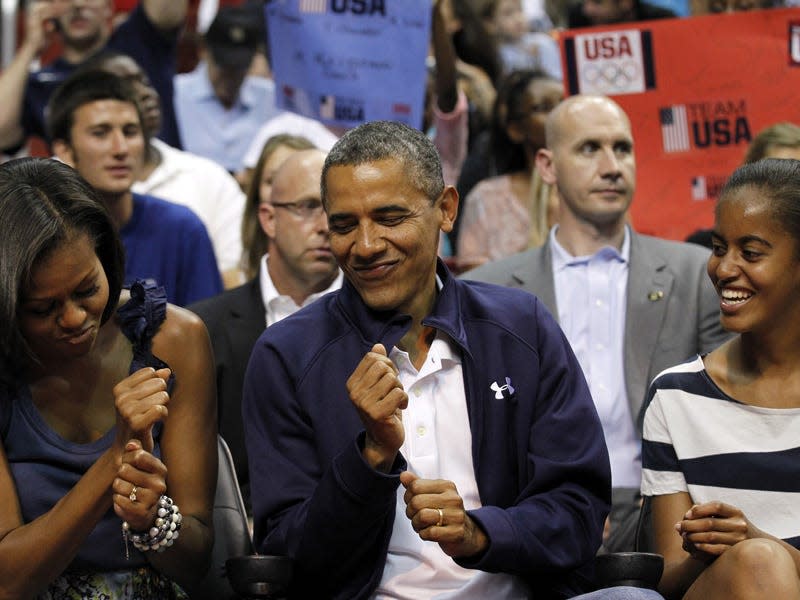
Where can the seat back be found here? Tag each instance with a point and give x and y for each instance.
(231, 531)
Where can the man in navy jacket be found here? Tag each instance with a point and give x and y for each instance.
(413, 432)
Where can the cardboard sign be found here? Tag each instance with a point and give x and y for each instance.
(697, 90)
(345, 62)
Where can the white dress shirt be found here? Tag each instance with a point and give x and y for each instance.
(438, 445)
(279, 306)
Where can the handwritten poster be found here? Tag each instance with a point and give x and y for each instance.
(345, 62)
(697, 90)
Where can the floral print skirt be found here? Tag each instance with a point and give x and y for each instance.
(144, 583)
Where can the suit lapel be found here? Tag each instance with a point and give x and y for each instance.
(535, 274)
(649, 287)
(247, 315)
(648, 290)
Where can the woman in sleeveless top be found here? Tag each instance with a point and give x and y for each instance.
(722, 431)
(107, 407)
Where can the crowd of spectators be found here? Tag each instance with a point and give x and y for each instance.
(214, 193)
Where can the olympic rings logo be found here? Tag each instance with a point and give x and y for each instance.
(612, 75)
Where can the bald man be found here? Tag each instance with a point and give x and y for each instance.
(630, 305)
(297, 269)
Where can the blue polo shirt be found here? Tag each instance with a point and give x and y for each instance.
(168, 242)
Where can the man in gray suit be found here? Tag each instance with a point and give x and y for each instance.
(630, 305)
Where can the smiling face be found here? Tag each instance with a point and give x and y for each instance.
(385, 234)
(754, 264)
(61, 311)
(591, 161)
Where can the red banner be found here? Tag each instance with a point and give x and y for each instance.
(696, 90)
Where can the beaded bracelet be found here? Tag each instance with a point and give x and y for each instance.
(162, 534)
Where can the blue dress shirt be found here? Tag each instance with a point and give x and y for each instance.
(209, 129)
(591, 296)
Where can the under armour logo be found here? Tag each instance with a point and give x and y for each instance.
(506, 391)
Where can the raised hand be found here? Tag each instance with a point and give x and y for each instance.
(40, 22)
(378, 396)
(141, 401)
(437, 514)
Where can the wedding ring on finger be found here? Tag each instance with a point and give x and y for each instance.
(132, 495)
(440, 522)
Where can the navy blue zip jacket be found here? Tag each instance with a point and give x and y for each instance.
(539, 454)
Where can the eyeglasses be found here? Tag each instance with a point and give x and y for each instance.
(305, 209)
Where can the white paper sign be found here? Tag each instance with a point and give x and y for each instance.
(345, 62)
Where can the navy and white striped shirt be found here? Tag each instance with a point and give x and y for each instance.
(699, 440)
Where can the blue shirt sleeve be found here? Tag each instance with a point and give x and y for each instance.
(198, 274)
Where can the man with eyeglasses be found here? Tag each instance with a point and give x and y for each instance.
(297, 269)
(299, 265)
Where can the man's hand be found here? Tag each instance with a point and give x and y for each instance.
(379, 398)
(437, 514)
(40, 23)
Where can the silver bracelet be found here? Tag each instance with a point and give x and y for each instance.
(161, 535)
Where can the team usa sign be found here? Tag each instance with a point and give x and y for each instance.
(695, 103)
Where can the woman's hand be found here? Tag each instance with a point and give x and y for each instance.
(710, 529)
(140, 482)
(141, 401)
